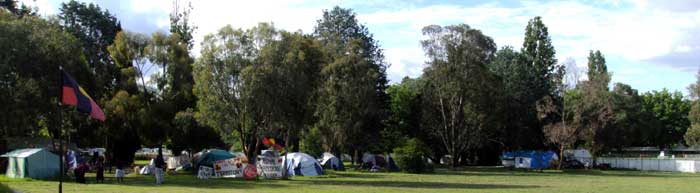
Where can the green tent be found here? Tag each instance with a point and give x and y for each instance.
(208, 158)
(31, 163)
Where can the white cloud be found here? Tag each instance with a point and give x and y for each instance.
(45, 7)
(634, 31)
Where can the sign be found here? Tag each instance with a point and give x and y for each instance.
(230, 168)
(270, 167)
(205, 172)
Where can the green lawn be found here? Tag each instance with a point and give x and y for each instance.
(142, 162)
(473, 179)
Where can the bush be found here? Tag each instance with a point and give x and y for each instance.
(412, 157)
(311, 142)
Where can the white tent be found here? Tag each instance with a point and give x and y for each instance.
(329, 161)
(148, 169)
(581, 155)
(302, 164)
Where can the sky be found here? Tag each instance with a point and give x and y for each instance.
(650, 45)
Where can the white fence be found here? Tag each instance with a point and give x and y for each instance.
(653, 164)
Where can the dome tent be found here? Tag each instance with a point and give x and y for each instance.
(301, 164)
(386, 162)
(329, 161)
(207, 158)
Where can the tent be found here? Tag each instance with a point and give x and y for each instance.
(329, 161)
(209, 157)
(148, 169)
(530, 159)
(580, 155)
(32, 163)
(301, 164)
(378, 161)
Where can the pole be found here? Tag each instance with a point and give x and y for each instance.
(60, 130)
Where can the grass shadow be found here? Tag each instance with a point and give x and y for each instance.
(193, 182)
(426, 185)
(630, 173)
(500, 171)
(354, 174)
(5, 188)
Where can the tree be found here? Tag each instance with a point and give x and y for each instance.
(459, 86)
(692, 135)
(628, 117)
(671, 110)
(347, 42)
(21, 11)
(347, 99)
(556, 129)
(528, 76)
(32, 48)
(516, 77)
(175, 82)
(96, 30)
(539, 53)
(180, 23)
(257, 82)
(129, 106)
(403, 122)
(597, 113)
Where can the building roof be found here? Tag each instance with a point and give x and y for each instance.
(22, 152)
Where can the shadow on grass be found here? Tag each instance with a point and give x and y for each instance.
(500, 171)
(4, 188)
(630, 173)
(192, 182)
(336, 174)
(427, 185)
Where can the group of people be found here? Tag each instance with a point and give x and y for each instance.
(97, 163)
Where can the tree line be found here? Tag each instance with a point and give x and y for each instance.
(321, 91)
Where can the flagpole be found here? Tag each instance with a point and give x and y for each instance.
(60, 129)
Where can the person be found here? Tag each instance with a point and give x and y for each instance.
(119, 173)
(100, 170)
(160, 165)
(80, 173)
(108, 161)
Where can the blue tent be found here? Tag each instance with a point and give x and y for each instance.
(538, 159)
(301, 164)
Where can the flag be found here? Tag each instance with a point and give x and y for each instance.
(75, 95)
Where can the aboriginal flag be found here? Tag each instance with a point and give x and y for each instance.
(74, 95)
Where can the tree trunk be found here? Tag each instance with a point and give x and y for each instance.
(285, 173)
(561, 156)
(354, 158)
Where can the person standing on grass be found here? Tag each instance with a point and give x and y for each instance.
(160, 164)
(119, 173)
(80, 173)
(100, 170)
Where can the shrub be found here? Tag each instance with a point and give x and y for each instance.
(411, 157)
(311, 142)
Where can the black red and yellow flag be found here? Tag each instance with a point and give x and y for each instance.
(75, 95)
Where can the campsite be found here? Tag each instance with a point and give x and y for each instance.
(485, 179)
(349, 96)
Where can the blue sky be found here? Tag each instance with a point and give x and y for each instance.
(650, 45)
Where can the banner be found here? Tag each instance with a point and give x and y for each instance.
(270, 167)
(205, 172)
(230, 168)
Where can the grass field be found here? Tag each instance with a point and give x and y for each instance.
(472, 179)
